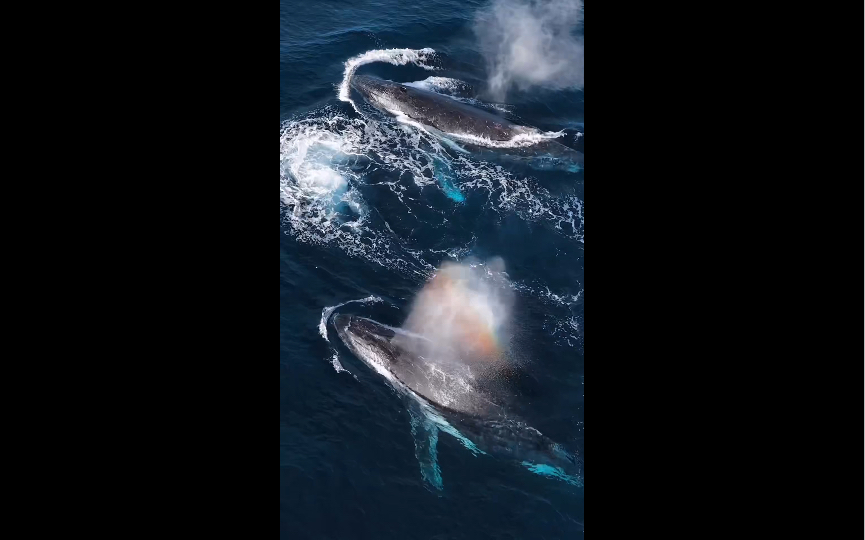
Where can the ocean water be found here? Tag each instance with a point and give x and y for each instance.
(370, 207)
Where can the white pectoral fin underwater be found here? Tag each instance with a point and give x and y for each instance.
(425, 433)
(445, 178)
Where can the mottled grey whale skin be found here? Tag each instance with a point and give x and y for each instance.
(432, 109)
(455, 117)
(474, 414)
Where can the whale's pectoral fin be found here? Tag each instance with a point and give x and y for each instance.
(426, 435)
(553, 472)
(443, 174)
(452, 431)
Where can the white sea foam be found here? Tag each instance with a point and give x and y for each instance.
(334, 361)
(397, 57)
(322, 327)
(519, 140)
(328, 311)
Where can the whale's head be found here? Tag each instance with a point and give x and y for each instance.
(369, 341)
(413, 362)
(380, 93)
(353, 330)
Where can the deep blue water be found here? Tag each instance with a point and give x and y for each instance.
(363, 215)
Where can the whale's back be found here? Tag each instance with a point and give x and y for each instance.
(455, 117)
(435, 110)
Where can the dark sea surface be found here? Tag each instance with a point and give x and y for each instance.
(364, 223)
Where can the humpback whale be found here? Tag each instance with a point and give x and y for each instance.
(444, 397)
(484, 132)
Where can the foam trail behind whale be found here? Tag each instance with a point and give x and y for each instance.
(397, 57)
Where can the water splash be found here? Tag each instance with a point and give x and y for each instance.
(322, 327)
(520, 140)
(328, 311)
(397, 57)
